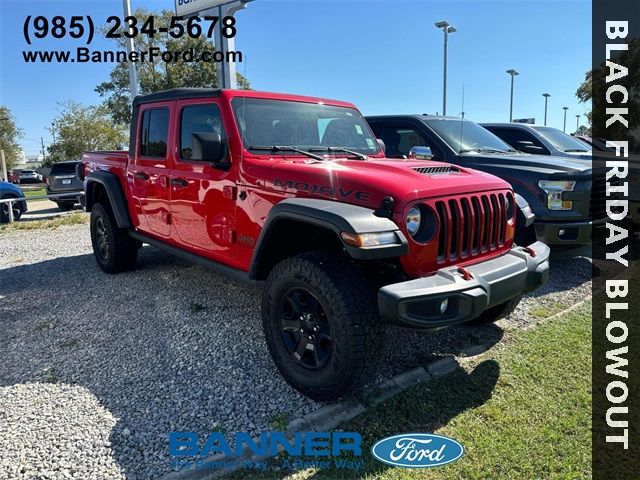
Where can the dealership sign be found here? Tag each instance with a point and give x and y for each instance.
(417, 450)
(185, 7)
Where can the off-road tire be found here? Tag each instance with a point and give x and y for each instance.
(65, 206)
(120, 251)
(350, 305)
(498, 312)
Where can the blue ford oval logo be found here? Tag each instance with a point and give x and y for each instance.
(417, 450)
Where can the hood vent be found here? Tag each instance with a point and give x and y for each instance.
(437, 170)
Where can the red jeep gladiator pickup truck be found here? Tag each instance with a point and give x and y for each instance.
(297, 192)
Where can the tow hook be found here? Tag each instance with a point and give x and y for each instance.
(530, 251)
(466, 274)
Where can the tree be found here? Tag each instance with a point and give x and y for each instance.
(595, 86)
(159, 75)
(79, 128)
(9, 136)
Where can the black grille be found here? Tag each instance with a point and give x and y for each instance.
(436, 170)
(598, 203)
(471, 225)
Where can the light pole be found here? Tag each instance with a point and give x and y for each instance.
(564, 126)
(447, 29)
(577, 122)
(546, 99)
(513, 73)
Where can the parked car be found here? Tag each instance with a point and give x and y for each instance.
(295, 191)
(557, 189)
(10, 190)
(63, 179)
(13, 177)
(30, 176)
(539, 140)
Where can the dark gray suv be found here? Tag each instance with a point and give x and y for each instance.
(63, 179)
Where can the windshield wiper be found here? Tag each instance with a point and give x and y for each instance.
(483, 150)
(286, 148)
(359, 155)
(575, 150)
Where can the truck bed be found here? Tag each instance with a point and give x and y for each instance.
(113, 161)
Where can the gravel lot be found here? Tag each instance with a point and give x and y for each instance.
(97, 369)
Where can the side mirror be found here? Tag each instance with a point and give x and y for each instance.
(529, 147)
(420, 153)
(209, 147)
(382, 145)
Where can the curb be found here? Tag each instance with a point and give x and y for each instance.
(331, 416)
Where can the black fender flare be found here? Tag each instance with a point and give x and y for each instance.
(109, 181)
(336, 217)
(525, 215)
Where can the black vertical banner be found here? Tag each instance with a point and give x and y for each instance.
(615, 79)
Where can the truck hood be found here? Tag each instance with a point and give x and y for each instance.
(367, 182)
(543, 164)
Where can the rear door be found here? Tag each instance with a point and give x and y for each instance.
(202, 196)
(150, 175)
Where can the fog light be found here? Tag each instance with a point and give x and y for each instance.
(561, 232)
(444, 305)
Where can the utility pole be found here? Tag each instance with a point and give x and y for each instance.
(447, 29)
(564, 126)
(53, 132)
(513, 73)
(546, 98)
(133, 76)
(44, 156)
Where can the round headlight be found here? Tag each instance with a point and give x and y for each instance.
(414, 219)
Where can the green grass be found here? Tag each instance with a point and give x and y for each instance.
(35, 193)
(522, 410)
(76, 218)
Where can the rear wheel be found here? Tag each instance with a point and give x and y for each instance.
(113, 249)
(321, 324)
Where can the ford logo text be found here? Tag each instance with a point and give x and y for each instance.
(417, 450)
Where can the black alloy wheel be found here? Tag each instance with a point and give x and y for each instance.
(305, 329)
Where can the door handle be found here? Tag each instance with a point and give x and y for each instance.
(179, 182)
(141, 176)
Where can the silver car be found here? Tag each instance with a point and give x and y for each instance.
(29, 176)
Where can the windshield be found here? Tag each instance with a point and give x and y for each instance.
(562, 141)
(305, 126)
(465, 136)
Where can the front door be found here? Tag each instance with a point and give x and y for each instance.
(202, 196)
(150, 175)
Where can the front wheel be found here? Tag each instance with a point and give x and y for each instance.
(321, 324)
(4, 211)
(113, 249)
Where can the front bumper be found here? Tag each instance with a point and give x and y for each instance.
(416, 303)
(567, 233)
